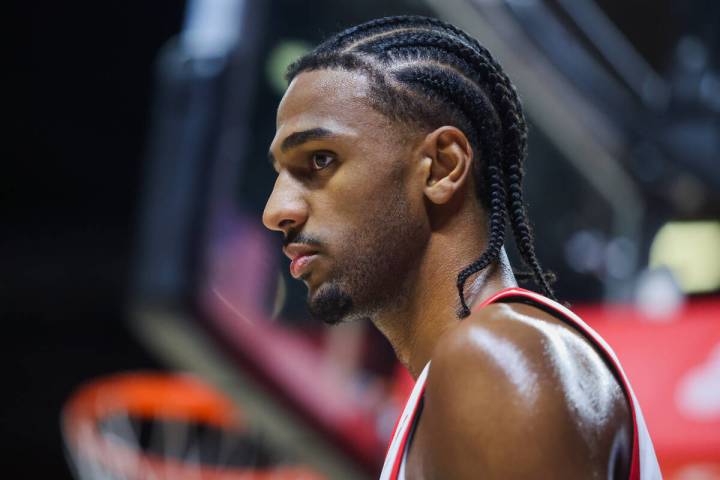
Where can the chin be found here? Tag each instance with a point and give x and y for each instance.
(330, 304)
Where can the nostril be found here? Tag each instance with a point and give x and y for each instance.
(286, 223)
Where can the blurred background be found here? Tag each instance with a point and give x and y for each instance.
(131, 240)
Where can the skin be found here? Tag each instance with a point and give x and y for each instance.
(392, 214)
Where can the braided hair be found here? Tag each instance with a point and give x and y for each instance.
(428, 73)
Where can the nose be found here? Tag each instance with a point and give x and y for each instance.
(285, 209)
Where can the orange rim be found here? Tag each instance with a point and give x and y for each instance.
(160, 396)
(152, 395)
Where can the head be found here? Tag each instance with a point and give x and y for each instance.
(381, 124)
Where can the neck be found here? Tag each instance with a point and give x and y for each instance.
(431, 308)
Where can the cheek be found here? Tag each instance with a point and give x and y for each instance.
(361, 206)
(374, 181)
(365, 201)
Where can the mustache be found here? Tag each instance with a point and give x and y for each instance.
(302, 238)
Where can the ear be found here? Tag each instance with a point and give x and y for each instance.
(447, 163)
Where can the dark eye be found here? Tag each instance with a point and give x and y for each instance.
(321, 160)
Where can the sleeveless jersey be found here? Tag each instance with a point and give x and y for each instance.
(644, 465)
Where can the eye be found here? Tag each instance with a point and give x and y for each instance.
(321, 160)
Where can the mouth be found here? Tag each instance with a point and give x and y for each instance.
(300, 256)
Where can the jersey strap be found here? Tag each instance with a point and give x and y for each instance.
(399, 438)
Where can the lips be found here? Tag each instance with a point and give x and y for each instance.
(299, 265)
(300, 258)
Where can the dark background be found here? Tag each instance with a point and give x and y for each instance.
(70, 213)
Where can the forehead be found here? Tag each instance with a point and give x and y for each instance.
(333, 99)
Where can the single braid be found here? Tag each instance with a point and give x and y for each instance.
(426, 71)
(347, 36)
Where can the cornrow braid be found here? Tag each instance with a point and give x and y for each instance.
(430, 73)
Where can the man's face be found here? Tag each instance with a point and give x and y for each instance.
(347, 197)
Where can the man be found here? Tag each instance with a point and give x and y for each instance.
(399, 151)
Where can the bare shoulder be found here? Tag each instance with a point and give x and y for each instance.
(522, 391)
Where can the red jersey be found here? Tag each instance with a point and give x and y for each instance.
(644, 465)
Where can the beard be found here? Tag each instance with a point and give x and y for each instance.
(374, 270)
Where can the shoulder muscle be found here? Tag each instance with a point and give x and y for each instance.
(512, 391)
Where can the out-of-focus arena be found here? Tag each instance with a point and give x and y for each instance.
(152, 328)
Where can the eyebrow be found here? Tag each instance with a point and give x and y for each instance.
(296, 139)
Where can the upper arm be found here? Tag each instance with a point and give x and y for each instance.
(505, 399)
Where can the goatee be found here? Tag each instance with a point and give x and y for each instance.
(330, 305)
